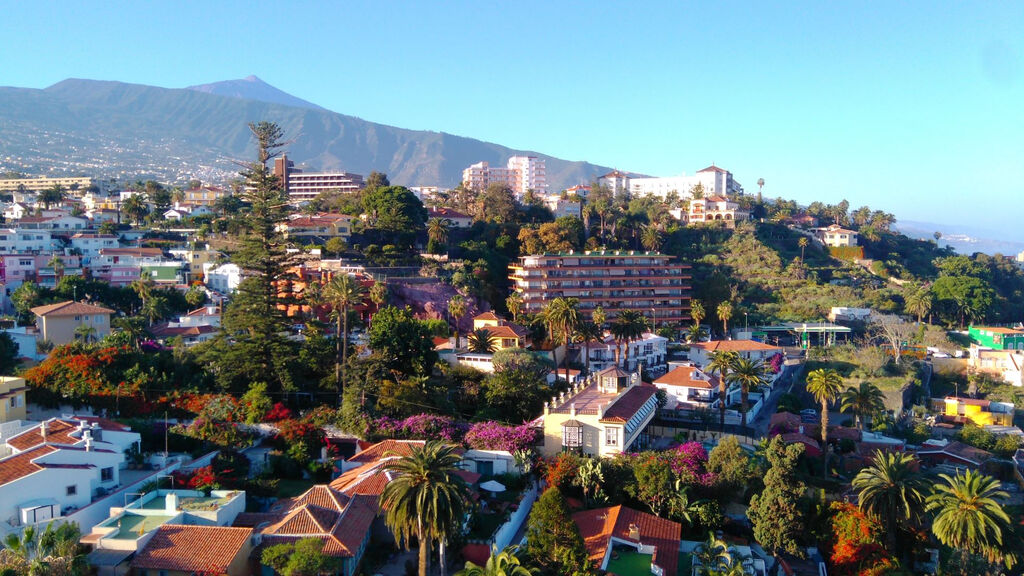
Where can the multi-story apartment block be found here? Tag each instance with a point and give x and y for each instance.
(650, 352)
(303, 186)
(70, 184)
(647, 282)
(616, 181)
(521, 174)
(91, 244)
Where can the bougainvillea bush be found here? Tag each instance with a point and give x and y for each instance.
(495, 436)
(418, 427)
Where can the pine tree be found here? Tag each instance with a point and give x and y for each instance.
(775, 512)
(253, 320)
(553, 539)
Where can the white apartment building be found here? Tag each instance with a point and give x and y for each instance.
(223, 278)
(714, 180)
(24, 240)
(650, 352)
(522, 173)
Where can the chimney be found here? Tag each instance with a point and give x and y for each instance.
(634, 532)
(171, 503)
(97, 432)
(87, 436)
(600, 411)
(42, 430)
(572, 409)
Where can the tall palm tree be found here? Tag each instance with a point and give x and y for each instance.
(802, 243)
(133, 327)
(697, 312)
(143, 287)
(724, 311)
(57, 263)
(750, 375)
(154, 308)
(564, 315)
(481, 341)
(891, 491)
(514, 303)
(426, 500)
(919, 303)
(437, 230)
(503, 563)
(586, 333)
(85, 332)
(457, 309)
(825, 386)
(343, 292)
(378, 295)
(696, 333)
(969, 514)
(632, 325)
(863, 401)
(722, 362)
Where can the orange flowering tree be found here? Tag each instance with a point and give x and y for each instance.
(856, 543)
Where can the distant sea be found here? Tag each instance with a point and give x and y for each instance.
(963, 239)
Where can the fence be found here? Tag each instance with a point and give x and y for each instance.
(504, 535)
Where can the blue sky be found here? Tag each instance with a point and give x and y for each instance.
(911, 107)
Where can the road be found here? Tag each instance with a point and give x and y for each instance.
(782, 386)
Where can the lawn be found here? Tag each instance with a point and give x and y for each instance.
(629, 562)
(292, 488)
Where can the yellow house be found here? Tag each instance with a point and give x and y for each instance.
(12, 398)
(981, 412)
(59, 323)
(503, 334)
(603, 415)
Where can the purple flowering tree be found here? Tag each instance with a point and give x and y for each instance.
(495, 436)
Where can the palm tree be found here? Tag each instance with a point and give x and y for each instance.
(712, 554)
(631, 326)
(481, 341)
(802, 243)
(697, 311)
(750, 375)
(650, 237)
(378, 295)
(85, 332)
(52, 195)
(564, 315)
(343, 292)
(696, 333)
(437, 230)
(514, 303)
(457, 309)
(53, 551)
(57, 263)
(760, 185)
(863, 401)
(599, 316)
(724, 311)
(891, 491)
(426, 500)
(503, 563)
(825, 386)
(969, 514)
(143, 287)
(919, 303)
(131, 326)
(586, 333)
(154, 308)
(135, 208)
(722, 362)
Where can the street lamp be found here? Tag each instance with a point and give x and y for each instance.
(745, 327)
(654, 319)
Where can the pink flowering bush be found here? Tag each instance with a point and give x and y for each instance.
(495, 436)
(775, 363)
(689, 463)
(419, 427)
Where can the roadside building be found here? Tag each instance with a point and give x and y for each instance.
(60, 323)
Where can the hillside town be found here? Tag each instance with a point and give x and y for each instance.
(304, 372)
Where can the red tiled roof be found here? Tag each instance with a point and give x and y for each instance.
(323, 496)
(20, 465)
(105, 424)
(713, 168)
(70, 308)
(960, 451)
(813, 449)
(195, 549)
(998, 330)
(969, 401)
(487, 316)
(684, 376)
(386, 448)
(446, 213)
(600, 525)
(470, 478)
(627, 405)
(57, 432)
(131, 252)
(502, 332)
(733, 346)
(341, 532)
(368, 479)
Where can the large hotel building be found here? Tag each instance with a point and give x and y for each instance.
(302, 186)
(615, 280)
(521, 174)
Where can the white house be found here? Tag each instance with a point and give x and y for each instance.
(650, 352)
(25, 240)
(91, 244)
(688, 387)
(16, 211)
(835, 236)
(223, 278)
(702, 352)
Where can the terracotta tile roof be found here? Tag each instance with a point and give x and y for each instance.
(20, 465)
(70, 308)
(733, 346)
(323, 496)
(470, 478)
(446, 213)
(195, 549)
(502, 332)
(812, 446)
(689, 377)
(57, 432)
(369, 479)
(600, 525)
(969, 401)
(960, 451)
(386, 448)
(138, 252)
(305, 519)
(488, 316)
(714, 168)
(629, 403)
(342, 536)
(999, 330)
(254, 519)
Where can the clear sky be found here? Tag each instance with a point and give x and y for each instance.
(912, 107)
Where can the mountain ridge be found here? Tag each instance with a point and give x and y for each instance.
(130, 131)
(252, 88)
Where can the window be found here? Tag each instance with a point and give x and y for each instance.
(611, 436)
(72, 490)
(107, 474)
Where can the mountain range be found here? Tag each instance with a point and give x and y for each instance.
(131, 131)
